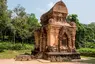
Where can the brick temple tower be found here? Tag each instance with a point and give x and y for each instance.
(56, 38)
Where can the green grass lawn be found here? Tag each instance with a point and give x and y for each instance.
(8, 54)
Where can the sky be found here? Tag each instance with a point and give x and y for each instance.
(83, 8)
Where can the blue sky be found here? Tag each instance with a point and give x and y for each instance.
(83, 8)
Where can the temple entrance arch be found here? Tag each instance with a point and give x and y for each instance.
(64, 40)
(64, 43)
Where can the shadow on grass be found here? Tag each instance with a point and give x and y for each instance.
(89, 61)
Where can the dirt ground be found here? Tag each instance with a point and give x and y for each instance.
(38, 61)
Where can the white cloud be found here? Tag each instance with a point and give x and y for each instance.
(90, 22)
(40, 10)
(47, 7)
(50, 5)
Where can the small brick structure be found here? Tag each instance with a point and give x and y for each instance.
(23, 57)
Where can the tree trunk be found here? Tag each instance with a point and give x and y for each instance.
(14, 37)
(2, 36)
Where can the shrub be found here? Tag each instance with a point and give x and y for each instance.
(28, 46)
(87, 52)
(90, 45)
(5, 45)
(1, 50)
(16, 46)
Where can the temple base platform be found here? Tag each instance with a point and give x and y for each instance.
(60, 56)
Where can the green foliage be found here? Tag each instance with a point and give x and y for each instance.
(21, 27)
(17, 46)
(17, 28)
(85, 35)
(80, 29)
(90, 45)
(9, 54)
(72, 17)
(4, 19)
(87, 52)
(23, 24)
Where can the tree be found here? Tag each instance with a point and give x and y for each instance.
(19, 27)
(3, 17)
(33, 22)
(80, 30)
(24, 24)
(85, 36)
(90, 32)
(33, 25)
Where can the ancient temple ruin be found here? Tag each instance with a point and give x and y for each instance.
(55, 40)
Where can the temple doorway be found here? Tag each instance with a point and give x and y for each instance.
(64, 43)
